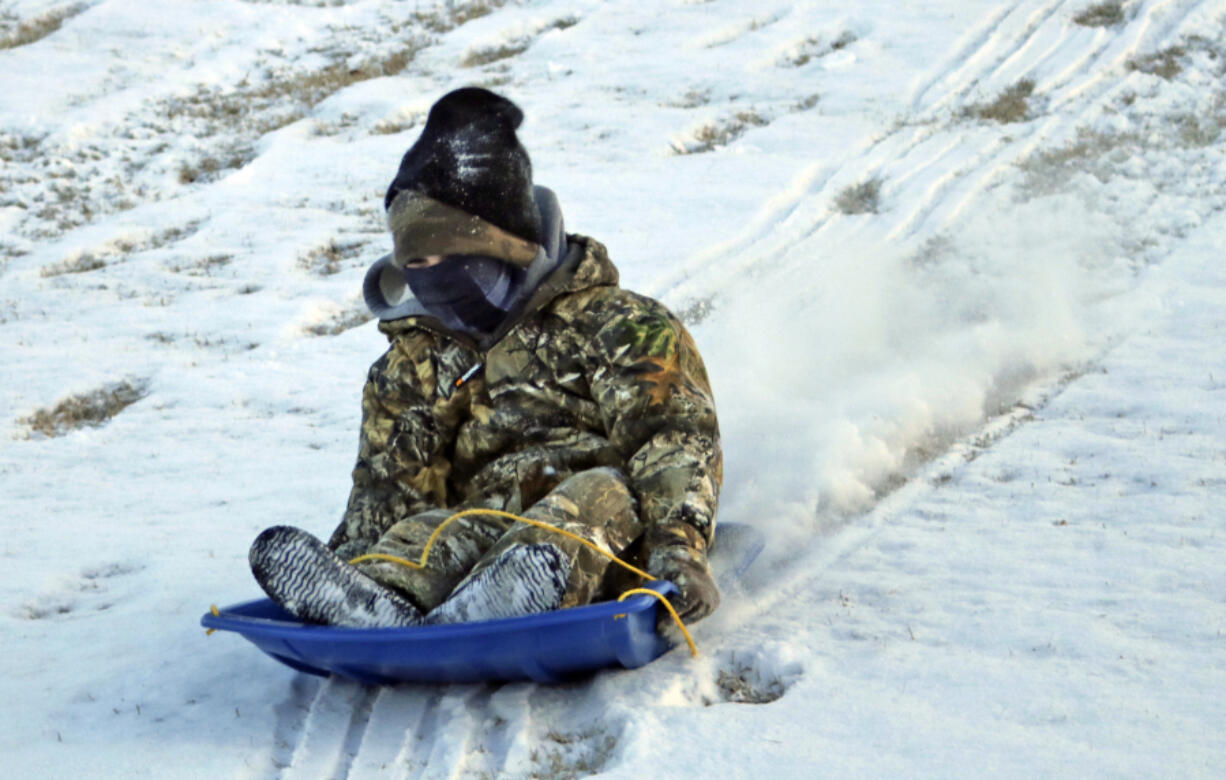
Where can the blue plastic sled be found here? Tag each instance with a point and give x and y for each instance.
(548, 648)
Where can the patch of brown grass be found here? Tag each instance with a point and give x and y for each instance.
(397, 124)
(720, 132)
(341, 321)
(454, 14)
(329, 259)
(279, 100)
(36, 28)
(88, 409)
(512, 47)
(54, 194)
(694, 98)
(1101, 15)
(862, 198)
(737, 686)
(19, 148)
(1164, 64)
(205, 266)
(502, 51)
(1092, 152)
(254, 110)
(814, 48)
(212, 168)
(1197, 131)
(83, 261)
(807, 103)
(1011, 106)
(75, 263)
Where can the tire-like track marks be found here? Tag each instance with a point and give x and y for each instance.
(961, 157)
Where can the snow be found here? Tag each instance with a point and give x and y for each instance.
(979, 418)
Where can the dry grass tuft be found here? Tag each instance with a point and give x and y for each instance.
(1197, 131)
(807, 103)
(1092, 152)
(446, 19)
(280, 100)
(1101, 15)
(341, 321)
(1010, 106)
(1164, 64)
(1089, 145)
(392, 126)
(212, 168)
(19, 148)
(693, 98)
(89, 409)
(505, 50)
(46, 183)
(83, 261)
(720, 132)
(862, 198)
(75, 263)
(814, 48)
(1167, 63)
(467, 12)
(329, 259)
(205, 266)
(512, 47)
(340, 125)
(37, 28)
(736, 686)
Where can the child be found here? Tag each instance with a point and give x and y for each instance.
(519, 378)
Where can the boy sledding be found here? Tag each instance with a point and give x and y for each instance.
(519, 378)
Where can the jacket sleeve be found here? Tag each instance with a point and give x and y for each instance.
(658, 410)
(407, 427)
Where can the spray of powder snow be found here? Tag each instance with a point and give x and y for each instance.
(841, 370)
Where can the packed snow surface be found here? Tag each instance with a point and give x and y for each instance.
(955, 268)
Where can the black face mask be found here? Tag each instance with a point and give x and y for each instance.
(468, 292)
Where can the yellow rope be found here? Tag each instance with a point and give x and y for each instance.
(425, 555)
(689, 640)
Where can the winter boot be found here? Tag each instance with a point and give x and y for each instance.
(523, 580)
(310, 582)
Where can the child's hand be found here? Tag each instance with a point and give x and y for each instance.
(699, 594)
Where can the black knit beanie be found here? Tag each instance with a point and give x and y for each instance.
(468, 156)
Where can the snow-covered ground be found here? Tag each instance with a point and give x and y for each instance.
(955, 267)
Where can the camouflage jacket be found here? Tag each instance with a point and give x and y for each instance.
(587, 375)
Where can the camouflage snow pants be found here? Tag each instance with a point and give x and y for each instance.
(593, 504)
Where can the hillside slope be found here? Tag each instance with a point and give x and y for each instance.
(953, 268)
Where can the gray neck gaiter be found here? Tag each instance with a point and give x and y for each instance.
(470, 293)
(385, 284)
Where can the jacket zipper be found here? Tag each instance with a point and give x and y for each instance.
(469, 374)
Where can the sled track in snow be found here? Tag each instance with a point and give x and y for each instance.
(345, 730)
(1023, 41)
(844, 539)
(421, 731)
(923, 146)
